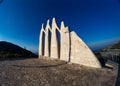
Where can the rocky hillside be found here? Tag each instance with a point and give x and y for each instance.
(111, 50)
(9, 50)
(114, 46)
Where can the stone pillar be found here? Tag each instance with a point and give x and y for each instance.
(46, 48)
(65, 43)
(54, 41)
(41, 51)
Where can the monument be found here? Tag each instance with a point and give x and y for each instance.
(70, 48)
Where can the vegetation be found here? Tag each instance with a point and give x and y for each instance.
(9, 50)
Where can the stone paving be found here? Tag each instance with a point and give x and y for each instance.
(41, 72)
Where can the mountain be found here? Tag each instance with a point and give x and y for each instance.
(114, 46)
(111, 52)
(10, 50)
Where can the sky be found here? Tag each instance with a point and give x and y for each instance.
(97, 22)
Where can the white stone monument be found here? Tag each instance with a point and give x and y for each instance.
(71, 49)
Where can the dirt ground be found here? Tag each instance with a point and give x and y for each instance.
(42, 72)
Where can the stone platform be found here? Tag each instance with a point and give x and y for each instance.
(46, 72)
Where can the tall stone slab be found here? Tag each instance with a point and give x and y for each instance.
(54, 41)
(81, 54)
(41, 45)
(46, 47)
(65, 43)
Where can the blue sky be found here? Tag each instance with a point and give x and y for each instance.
(97, 22)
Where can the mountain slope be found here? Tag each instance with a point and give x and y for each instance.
(112, 46)
(112, 50)
(9, 50)
(115, 46)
